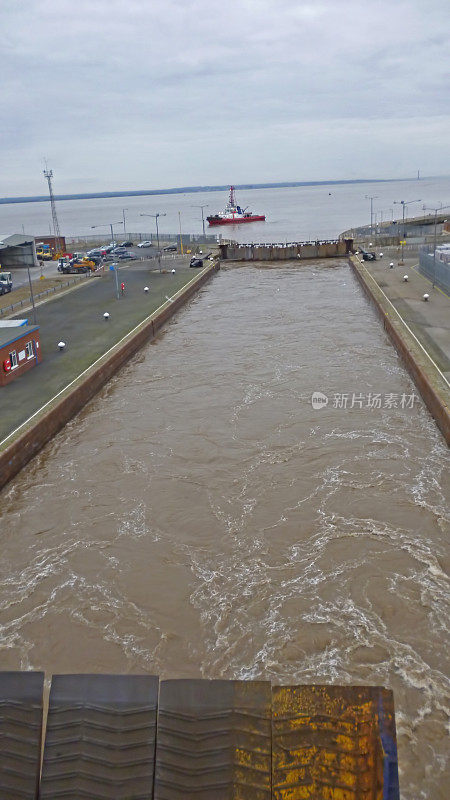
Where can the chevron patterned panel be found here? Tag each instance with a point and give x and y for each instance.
(214, 740)
(100, 739)
(20, 734)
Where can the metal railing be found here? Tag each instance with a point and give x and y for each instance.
(28, 302)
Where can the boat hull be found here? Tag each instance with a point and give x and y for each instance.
(236, 220)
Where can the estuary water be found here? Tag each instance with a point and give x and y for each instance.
(201, 518)
(292, 214)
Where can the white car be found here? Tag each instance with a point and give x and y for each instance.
(147, 243)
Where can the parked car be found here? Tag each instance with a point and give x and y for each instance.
(118, 250)
(171, 248)
(146, 243)
(196, 262)
(126, 244)
(127, 257)
(97, 253)
(5, 281)
(368, 255)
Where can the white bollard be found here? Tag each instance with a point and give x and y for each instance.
(106, 316)
(146, 289)
(425, 297)
(61, 345)
(405, 278)
(391, 265)
(173, 272)
(381, 255)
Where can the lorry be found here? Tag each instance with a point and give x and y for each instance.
(43, 252)
(5, 282)
(75, 266)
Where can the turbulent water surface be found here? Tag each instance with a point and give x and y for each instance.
(200, 518)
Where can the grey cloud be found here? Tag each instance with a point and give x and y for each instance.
(166, 93)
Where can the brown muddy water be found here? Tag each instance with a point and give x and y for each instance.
(200, 518)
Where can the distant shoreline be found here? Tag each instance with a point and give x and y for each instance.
(192, 189)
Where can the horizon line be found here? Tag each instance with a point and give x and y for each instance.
(193, 189)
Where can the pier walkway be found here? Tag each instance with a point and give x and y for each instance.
(133, 737)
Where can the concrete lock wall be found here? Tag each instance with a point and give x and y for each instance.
(287, 252)
(46, 424)
(423, 371)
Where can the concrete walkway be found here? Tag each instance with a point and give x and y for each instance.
(429, 321)
(77, 318)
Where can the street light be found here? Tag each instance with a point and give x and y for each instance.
(430, 208)
(155, 217)
(404, 203)
(124, 223)
(368, 197)
(203, 219)
(110, 225)
(181, 237)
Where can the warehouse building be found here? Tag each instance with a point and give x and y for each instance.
(17, 250)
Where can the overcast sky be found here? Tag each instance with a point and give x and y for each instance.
(120, 94)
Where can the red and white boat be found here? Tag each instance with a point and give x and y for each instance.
(234, 214)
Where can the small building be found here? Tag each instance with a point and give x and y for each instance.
(17, 250)
(53, 242)
(20, 348)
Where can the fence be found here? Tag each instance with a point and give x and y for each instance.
(187, 238)
(434, 269)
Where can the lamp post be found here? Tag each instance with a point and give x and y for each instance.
(181, 238)
(155, 217)
(32, 296)
(110, 225)
(404, 203)
(368, 197)
(203, 219)
(124, 223)
(440, 208)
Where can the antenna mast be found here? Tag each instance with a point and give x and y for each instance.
(58, 242)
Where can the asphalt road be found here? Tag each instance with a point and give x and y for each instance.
(429, 321)
(77, 318)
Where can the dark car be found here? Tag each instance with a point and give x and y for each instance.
(196, 262)
(127, 257)
(368, 255)
(126, 244)
(172, 248)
